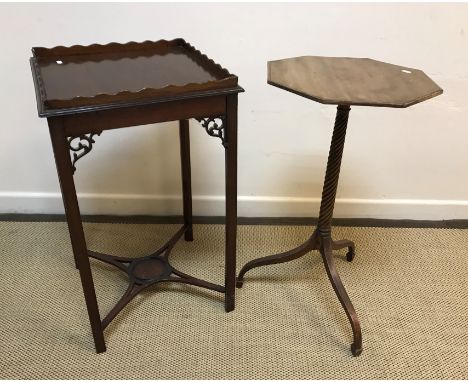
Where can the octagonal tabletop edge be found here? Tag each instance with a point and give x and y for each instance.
(352, 81)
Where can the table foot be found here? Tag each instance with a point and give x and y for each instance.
(229, 304)
(340, 244)
(356, 350)
(149, 270)
(188, 235)
(283, 257)
(350, 255)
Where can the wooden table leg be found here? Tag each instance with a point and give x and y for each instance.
(184, 135)
(231, 201)
(324, 223)
(75, 227)
(321, 239)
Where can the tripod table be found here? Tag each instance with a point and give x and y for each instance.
(344, 82)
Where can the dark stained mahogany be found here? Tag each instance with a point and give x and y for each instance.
(342, 81)
(86, 91)
(184, 139)
(69, 78)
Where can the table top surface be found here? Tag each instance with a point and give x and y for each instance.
(352, 81)
(86, 76)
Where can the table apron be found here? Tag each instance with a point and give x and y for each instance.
(93, 122)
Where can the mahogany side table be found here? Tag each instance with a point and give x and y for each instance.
(344, 82)
(84, 90)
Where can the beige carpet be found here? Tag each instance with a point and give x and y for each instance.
(408, 287)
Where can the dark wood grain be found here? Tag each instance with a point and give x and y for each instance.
(342, 81)
(191, 85)
(231, 201)
(184, 138)
(77, 76)
(75, 228)
(94, 121)
(321, 238)
(352, 81)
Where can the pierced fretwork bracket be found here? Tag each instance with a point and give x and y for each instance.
(81, 145)
(215, 126)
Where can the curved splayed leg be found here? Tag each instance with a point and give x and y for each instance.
(326, 252)
(283, 257)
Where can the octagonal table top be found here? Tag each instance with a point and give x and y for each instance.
(352, 81)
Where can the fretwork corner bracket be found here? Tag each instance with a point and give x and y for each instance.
(80, 146)
(215, 127)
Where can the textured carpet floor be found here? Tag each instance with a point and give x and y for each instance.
(407, 285)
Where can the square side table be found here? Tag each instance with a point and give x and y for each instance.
(85, 90)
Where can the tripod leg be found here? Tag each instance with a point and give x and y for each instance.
(326, 252)
(283, 257)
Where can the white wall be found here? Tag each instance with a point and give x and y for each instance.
(398, 163)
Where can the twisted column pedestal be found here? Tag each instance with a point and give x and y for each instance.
(321, 238)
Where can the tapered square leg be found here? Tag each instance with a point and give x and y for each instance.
(184, 135)
(75, 227)
(231, 201)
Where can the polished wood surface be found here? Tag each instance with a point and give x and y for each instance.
(352, 81)
(80, 76)
(321, 238)
(345, 82)
(179, 83)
